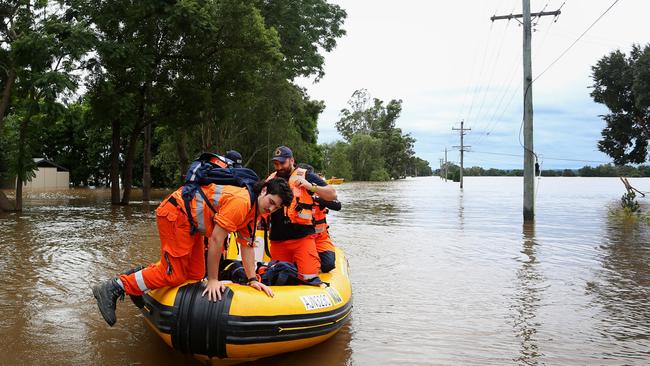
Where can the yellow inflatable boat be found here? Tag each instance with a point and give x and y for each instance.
(246, 324)
(335, 180)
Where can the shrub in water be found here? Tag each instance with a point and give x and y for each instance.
(629, 203)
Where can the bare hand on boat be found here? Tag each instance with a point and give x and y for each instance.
(214, 289)
(261, 287)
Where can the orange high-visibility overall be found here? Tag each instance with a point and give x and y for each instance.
(182, 254)
(301, 251)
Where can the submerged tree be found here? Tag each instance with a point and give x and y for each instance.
(369, 116)
(622, 83)
(42, 45)
(336, 161)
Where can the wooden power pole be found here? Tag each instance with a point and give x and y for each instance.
(462, 148)
(446, 170)
(529, 155)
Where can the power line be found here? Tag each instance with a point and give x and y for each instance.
(576, 41)
(494, 64)
(494, 121)
(545, 157)
(477, 87)
(555, 61)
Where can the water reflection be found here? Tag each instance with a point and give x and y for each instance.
(622, 287)
(527, 297)
(378, 206)
(434, 278)
(335, 351)
(461, 211)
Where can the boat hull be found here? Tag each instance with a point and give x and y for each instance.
(246, 324)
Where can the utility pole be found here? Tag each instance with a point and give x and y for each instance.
(446, 166)
(462, 148)
(529, 155)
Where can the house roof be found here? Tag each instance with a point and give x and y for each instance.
(44, 163)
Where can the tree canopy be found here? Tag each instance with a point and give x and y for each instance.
(126, 93)
(622, 83)
(376, 148)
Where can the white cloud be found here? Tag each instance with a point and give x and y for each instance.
(447, 62)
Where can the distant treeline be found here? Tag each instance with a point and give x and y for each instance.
(374, 148)
(605, 170)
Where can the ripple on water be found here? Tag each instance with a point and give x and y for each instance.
(440, 277)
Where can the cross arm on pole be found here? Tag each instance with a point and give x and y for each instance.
(515, 16)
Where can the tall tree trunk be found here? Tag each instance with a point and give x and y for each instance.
(115, 162)
(19, 194)
(183, 157)
(6, 95)
(127, 181)
(133, 144)
(5, 205)
(22, 139)
(146, 170)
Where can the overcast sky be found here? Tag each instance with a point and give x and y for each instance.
(447, 61)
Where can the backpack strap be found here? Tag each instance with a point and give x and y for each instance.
(188, 210)
(267, 249)
(207, 200)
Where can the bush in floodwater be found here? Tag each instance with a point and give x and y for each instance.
(379, 175)
(629, 203)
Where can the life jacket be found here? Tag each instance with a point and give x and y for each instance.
(300, 210)
(204, 183)
(320, 218)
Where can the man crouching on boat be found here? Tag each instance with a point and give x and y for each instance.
(183, 256)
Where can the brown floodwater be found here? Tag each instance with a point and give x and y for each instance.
(440, 277)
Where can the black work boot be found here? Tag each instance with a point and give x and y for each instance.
(137, 300)
(107, 294)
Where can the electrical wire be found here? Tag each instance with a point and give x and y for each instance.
(494, 121)
(576, 41)
(545, 157)
(491, 77)
(553, 63)
(478, 85)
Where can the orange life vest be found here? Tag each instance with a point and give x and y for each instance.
(300, 210)
(320, 219)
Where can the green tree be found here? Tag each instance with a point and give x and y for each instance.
(644, 170)
(305, 28)
(371, 117)
(336, 161)
(421, 167)
(379, 175)
(180, 65)
(622, 83)
(77, 143)
(365, 156)
(43, 43)
(568, 173)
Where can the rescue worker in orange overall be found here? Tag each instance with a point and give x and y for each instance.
(293, 237)
(182, 254)
(324, 244)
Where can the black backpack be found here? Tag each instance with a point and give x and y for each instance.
(234, 271)
(285, 274)
(202, 172)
